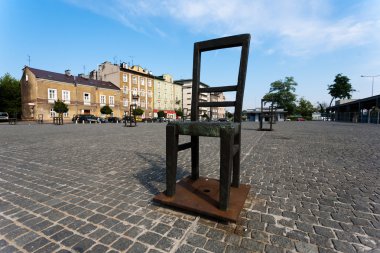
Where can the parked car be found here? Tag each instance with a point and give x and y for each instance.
(147, 120)
(102, 120)
(86, 118)
(113, 119)
(161, 119)
(4, 116)
(300, 119)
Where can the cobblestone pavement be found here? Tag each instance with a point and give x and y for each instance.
(89, 188)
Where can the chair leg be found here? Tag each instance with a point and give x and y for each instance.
(171, 159)
(236, 162)
(226, 152)
(194, 157)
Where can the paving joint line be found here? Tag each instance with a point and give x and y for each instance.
(186, 234)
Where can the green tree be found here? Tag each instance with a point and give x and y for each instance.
(341, 88)
(179, 112)
(229, 115)
(106, 110)
(138, 112)
(283, 94)
(305, 108)
(161, 114)
(10, 95)
(322, 107)
(60, 107)
(205, 116)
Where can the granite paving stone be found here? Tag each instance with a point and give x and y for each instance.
(314, 187)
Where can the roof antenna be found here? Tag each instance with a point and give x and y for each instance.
(131, 56)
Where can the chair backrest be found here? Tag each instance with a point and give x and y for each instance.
(243, 41)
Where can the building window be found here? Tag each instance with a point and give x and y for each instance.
(87, 98)
(111, 100)
(142, 103)
(134, 92)
(102, 100)
(134, 80)
(149, 83)
(66, 96)
(158, 85)
(142, 81)
(142, 92)
(125, 102)
(125, 78)
(52, 95)
(52, 113)
(149, 93)
(125, 89)
(66, 114)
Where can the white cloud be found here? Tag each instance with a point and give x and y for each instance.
(294, 27)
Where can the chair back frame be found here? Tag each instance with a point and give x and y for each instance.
(242, 41)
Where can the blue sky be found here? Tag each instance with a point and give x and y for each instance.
(311, 40)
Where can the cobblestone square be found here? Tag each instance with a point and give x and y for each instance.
(315, 187)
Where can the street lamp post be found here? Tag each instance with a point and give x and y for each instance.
(373, 80)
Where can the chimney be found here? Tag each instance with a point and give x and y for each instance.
(68, 72)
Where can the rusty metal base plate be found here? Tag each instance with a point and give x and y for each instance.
(202, 196)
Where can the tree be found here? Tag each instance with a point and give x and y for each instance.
(179, 112)
(229, 115)
(60, 107)
(282, 93)
(322, 107)
(205, 116)
(341, 88)
(305, 108)
(138, 112)
(106, 110)
(10, 95)
(161, 114)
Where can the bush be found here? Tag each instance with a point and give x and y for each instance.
(105, 110)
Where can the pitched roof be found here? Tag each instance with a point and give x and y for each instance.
(96, 83)
(39, 73)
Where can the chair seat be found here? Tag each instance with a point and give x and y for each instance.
(209, 129)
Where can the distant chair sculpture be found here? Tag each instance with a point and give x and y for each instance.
(269, 114)
(58, 120)
(40, 119)
(203, 195)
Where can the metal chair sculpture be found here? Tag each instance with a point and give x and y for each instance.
(40, 119)
(269, 114)
(203, 195)
(132, 120)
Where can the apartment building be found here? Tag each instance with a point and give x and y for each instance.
(167, 96)
(217, 112)
(135, 83)
(187, 95)
(41, 88)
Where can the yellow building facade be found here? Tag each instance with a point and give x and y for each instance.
(135, 83)
(40, 89)
(167, 96)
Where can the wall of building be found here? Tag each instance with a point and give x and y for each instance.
(109, 72)
(35, 98)
(167, 96)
